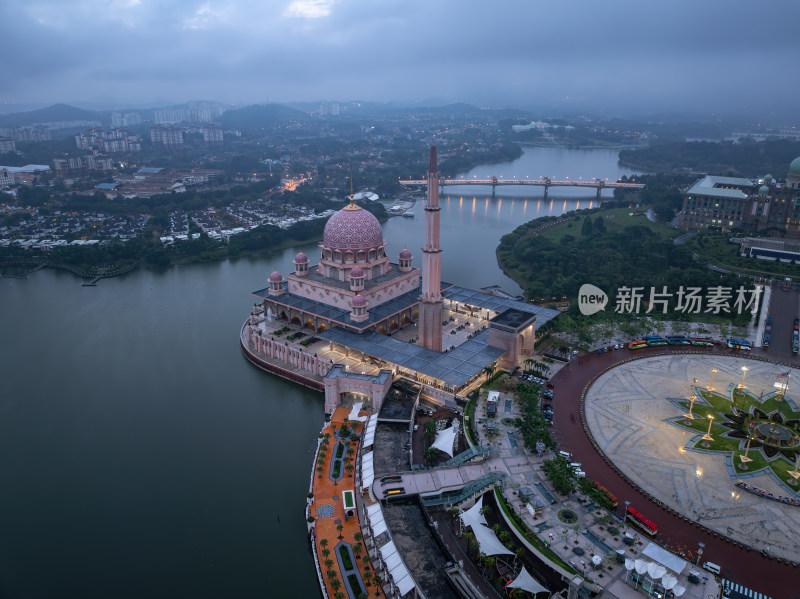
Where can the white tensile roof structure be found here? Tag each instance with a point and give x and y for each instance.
(444, 440)
(526, 582)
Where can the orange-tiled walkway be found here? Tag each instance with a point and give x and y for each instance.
(324, 490)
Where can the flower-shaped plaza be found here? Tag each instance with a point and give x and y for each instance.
(637, 415)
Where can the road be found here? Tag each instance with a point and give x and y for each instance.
(740, 565)
(783, 307)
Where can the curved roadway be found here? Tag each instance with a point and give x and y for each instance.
(745, 566)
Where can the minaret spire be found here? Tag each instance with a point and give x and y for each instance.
(430, 305)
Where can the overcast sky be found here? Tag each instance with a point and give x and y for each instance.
(613, 55)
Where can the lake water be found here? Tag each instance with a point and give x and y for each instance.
(143, 456)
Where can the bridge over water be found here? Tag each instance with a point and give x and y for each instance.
(546, 182)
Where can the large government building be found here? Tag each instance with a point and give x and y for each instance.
(356, 321)
(735, 203)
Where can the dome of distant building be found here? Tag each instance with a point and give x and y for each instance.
(301, 258)
(275, 277)
(794, 167)
(359, 301)
(356, 271)
(768, 178)
(763, 189)
(405, 254)
(352, 229)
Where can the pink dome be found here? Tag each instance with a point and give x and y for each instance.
(356, 271)
(352, 229)
(405, 254)
(301, 258)
(359, 301)
(275, 277)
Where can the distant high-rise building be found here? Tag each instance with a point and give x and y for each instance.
(212, 135)
(119, 119)
(7, 145)
(169, 137)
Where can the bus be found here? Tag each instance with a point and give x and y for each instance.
(637, 344)
(765, 342)
(679, 340)
(656, 341)
(641, 522)
(649, 337)
(740, 344)
(702, 341)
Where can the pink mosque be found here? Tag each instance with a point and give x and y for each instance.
(355, 322)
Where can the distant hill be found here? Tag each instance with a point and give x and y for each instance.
(261, 115)
(51, 114)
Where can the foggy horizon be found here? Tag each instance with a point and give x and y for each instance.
(615, 58)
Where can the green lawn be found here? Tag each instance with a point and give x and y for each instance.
(616, 220)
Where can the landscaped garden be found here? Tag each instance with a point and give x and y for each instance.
(761, 433)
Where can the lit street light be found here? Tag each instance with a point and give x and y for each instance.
(690, 416)
(699, 552)
(744, 373)
(713, 372)
(707, 437)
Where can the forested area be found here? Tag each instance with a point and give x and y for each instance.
(744, 159)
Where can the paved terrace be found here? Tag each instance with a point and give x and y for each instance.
(626, 410)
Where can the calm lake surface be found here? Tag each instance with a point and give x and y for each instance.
(143, 456)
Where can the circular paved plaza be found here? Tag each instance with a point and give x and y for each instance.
(628, 412)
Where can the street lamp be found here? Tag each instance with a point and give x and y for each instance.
(699, 552)
(707, 437)
(744, 373)
(690, 416)
(625, 518)
(713, 372)
(744, 457)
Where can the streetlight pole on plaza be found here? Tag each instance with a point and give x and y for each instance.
(707, 437)
(625, 518)
(744, 373)
(713, 372)
(690, 416)
(699, 552)
(744, 457)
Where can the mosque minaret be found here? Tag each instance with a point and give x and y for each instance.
(430, 304)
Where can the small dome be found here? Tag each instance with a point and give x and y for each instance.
(768, 178)
(405, 254)
(794, 167)
(275, 277)
(359, 301)
(356, 272)
(763, 189)
(301, 258)
(352, 229)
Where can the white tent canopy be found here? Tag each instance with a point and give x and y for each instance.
(488, 541)
(367, 470)
(597, 560)
(473, 517)
(678, 590)
(526, 582)
(444, 440)
(628, 564)
(656, 570)
(669, 581)
(640, 565)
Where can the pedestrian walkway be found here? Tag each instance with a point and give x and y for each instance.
(737, 588)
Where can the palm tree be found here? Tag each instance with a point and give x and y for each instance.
(323, 542)
(368, 576)
(325, 552)
(332, 574)
(350, 469)
(528, 363)
(378, 581)
(489, 370)
(336, 584)
(358, 536)
(338, 595)
(431, 454)
(320, 469)
(339, 528)
(365, 560)
(357, 549)
(328, 563)
(486, 509)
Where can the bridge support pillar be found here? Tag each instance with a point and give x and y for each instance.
(546, 187)
(494, 188)
(599, 193)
